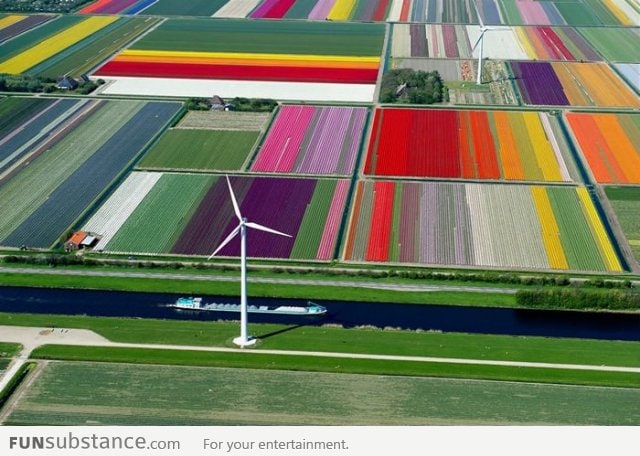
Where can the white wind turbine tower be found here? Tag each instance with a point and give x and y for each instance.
(244, 340)
(483, 29)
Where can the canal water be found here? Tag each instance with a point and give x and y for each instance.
(591, 325)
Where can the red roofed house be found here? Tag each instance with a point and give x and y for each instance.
(75, 241)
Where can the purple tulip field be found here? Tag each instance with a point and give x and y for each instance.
(312, 140)
(191, 214)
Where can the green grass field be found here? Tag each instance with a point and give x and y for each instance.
(85, 393)
(8, 350)
(626, 204)
(205, 150)
(333, 339)
(273, 36)
(225, 120)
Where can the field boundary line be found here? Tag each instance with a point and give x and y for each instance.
(87, 338)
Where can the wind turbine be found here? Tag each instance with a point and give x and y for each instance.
(244, 340)
(483, 29)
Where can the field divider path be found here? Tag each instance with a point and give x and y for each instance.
(223, 278)
(32, 337)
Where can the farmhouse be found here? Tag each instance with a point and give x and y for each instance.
(79, 240)
(67, 83)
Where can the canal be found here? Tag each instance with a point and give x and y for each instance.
(486, 320)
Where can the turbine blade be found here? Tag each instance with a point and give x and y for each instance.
(226, 241)
(264, 228)
(475, 4)
(477, 41)
(236, 209)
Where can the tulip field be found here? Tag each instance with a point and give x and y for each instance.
(190, 214)
(319, 10)
(631, 73)
(51, 46)
(279, 52)
(572, 84)
(456, 224)
(506, 145)
(70, 45)
(15, 24)
(79, 147)
(609, 142)
(517, 12)
(154, 7)
(504, 43)
(615, 44)
(312, 140)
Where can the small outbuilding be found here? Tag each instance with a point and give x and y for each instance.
(75, 241)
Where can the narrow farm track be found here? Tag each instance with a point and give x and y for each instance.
(34, 337)
(283, 281)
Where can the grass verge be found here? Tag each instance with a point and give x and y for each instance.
(13, 384)
(266, 290)
(334, 365)
(335, 339)
(9, 350)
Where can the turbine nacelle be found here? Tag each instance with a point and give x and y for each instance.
(243, 223)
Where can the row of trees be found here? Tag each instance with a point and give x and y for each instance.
(25, 83)
(49, 6)
(488, 277)
(239, 104)
(410, 86)
(581, 299)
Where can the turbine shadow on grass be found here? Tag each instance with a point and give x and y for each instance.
(280, 331)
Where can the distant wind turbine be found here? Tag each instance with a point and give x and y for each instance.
(244, 340)
(483, 29)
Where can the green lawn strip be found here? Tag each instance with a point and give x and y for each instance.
(9, 350)
(15, 381)
(88, 55)
(311, 228)
(288, 37)
(334, 339)
(335, 365)
(201, 150)
(159, 219)
(266, 290)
